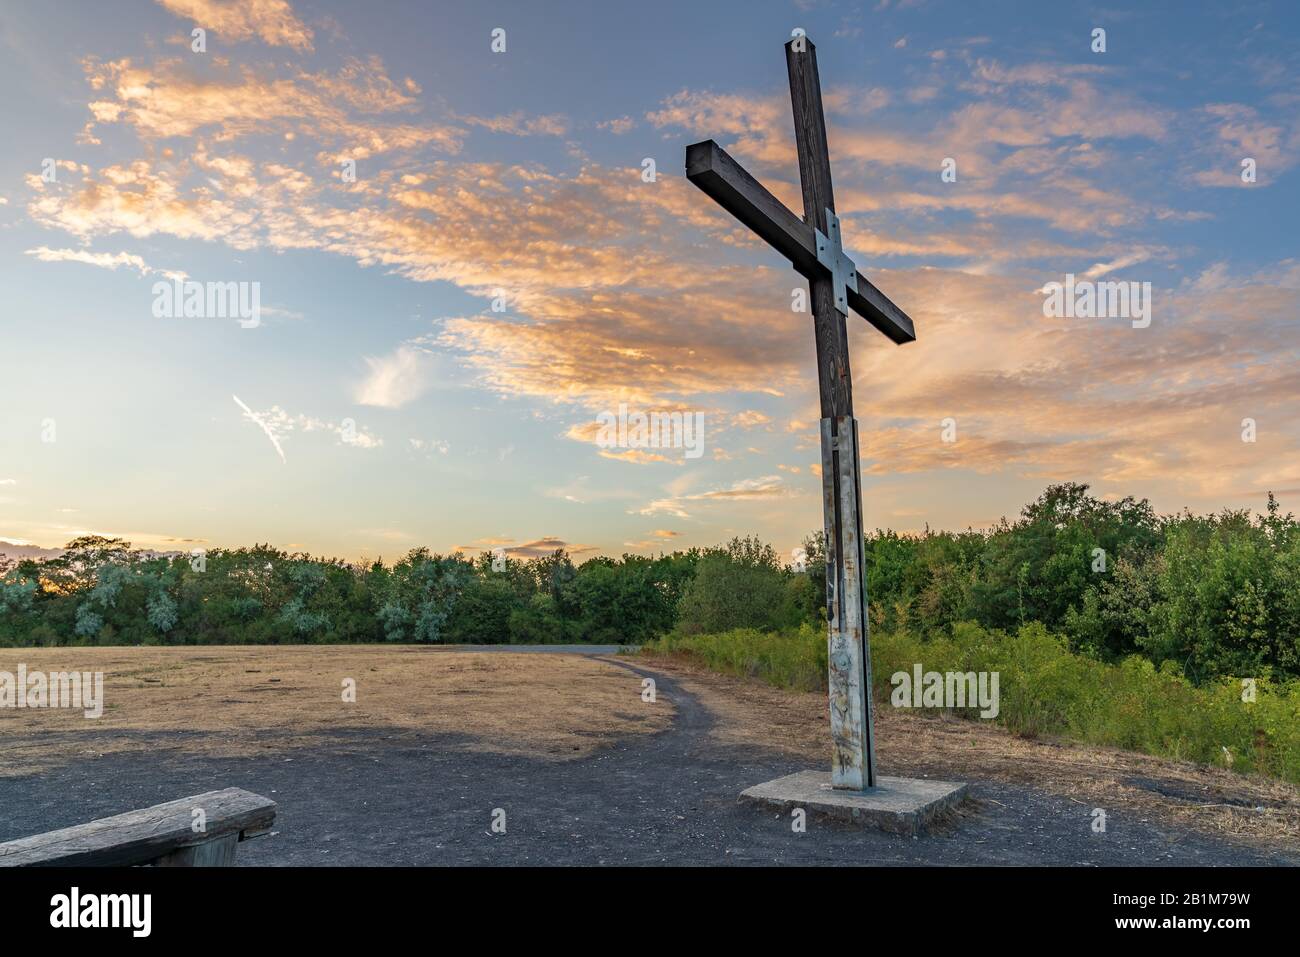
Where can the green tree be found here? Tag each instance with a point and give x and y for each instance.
(739, 586)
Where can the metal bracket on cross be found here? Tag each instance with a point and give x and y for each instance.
(830, 253)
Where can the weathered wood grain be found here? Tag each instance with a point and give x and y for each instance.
(810, 132)
(219, 852)
(146, 835)
(877, 308)
(710, 168)
(726, 182)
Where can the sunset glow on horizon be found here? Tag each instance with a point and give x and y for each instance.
(441, 267)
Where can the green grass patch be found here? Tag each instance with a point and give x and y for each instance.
(1046, 689)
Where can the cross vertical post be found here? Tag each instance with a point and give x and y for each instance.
(815, 248)
(849, 679)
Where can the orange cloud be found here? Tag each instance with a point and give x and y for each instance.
(167, 100)
(271, 21)
(619, 290)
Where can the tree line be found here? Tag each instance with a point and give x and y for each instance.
(1209, 594)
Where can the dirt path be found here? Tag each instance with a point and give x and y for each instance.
(372, 796)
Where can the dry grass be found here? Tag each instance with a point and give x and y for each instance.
(236, 700)
(750, 712)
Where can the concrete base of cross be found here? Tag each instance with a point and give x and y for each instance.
(900, 805)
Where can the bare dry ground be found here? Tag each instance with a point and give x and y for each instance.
(1178, 793)
(233, 700)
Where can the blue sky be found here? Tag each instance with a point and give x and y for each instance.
(409, 412)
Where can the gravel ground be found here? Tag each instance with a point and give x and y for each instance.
(376, 798)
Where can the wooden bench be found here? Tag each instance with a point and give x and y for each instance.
(162, 835)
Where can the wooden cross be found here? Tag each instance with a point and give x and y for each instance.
(814, 246)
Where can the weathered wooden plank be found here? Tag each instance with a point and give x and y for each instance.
(830, 540)
(848, 650)
(215, 853)
(858, 771)
(728, 184)
(810, 131)
(852, 756)
(143, 836)
(710, 168)
(877, 308)
(834, 378)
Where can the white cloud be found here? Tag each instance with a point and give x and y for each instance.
(1098, 270)
(396, 379)
(745, 490)
(263, 424)
(102, 260)
(277, 423)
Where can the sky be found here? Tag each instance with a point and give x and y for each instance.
(462, 262)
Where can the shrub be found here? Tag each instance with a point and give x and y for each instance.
(1044, 688)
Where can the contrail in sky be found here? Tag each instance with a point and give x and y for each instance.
(249, 413)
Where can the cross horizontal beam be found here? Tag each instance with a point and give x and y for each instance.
(727, 183)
